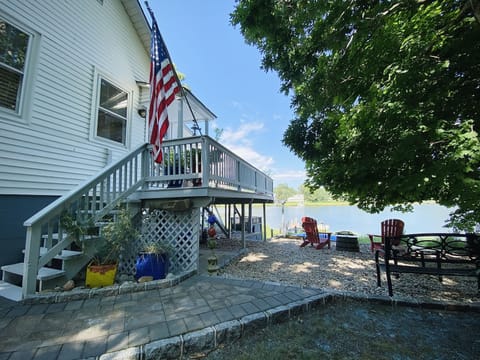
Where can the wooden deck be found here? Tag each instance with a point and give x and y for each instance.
(196, 172)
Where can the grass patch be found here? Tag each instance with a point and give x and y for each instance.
(360, 330)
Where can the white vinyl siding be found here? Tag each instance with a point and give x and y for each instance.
(53, 147)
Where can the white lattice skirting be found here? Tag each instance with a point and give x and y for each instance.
(180, 229)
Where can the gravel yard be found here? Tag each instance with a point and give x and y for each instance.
(281, 260)
(350, 329)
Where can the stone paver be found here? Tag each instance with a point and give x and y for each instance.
(155, 322)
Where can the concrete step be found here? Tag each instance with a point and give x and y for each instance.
(43, 274)
(10, 291)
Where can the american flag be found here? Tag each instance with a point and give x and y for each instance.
(163, 87)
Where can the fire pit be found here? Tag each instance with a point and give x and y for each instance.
(347, 241)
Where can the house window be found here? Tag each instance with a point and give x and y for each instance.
(13, 54)
(112, 113)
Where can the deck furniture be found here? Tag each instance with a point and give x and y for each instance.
(312, 235)
(438, 254)
(389, 228)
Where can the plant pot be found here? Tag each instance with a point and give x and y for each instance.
(150, 264)
(100, 275)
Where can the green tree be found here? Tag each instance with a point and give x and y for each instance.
(386, 96)
(283, 192)
(318, 195)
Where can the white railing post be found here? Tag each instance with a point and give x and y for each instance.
(32, 254)
(205, 161)
(239, 175)
(146, 166)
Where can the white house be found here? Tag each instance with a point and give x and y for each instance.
(73, 133)
(72, 79)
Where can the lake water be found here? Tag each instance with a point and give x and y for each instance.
(424, 218)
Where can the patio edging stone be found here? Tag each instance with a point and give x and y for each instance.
(209, 338)
(116, 289)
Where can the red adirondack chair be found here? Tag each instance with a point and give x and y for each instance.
(312, 236)
(390, 228)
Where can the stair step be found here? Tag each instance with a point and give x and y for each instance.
(43, 273)
(54, 236)
(10, 291)
(64, 255)
(84, 237)
(102, 223)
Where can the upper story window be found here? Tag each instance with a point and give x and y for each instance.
(112, 113)
(13, 55)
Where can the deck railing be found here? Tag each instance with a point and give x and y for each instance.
(184, 161)
(202, 161)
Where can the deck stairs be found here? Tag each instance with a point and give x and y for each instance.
(62, 267)
(55, 254)
(13, 273)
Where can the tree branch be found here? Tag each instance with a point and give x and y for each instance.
(476, 9)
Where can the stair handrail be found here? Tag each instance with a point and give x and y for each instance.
(122, 177)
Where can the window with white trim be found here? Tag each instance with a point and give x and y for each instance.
(112, 113)
(13, 55)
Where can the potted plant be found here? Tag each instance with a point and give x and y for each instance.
(71, 226)
(116, 235)
(76, 230)
(153, 261)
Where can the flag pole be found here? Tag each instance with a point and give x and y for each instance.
(174, 71)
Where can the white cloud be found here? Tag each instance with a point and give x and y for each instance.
(290, 175)
(240, 142)
(242, 134)
(262, 162)
(292, 178)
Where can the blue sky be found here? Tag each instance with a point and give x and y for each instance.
(224, 73)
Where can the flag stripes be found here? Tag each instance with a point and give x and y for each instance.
(163, 87)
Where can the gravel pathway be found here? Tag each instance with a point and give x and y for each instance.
(281, 260)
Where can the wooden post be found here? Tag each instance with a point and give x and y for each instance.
(147, 164)
(242, 225)
(32, 254)
(229, 220)
(264, 222)
(249, 221)
(205, 162)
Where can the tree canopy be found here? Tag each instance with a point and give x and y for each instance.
(386, 96)
(283, 192)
